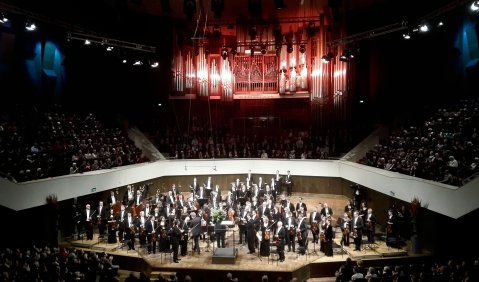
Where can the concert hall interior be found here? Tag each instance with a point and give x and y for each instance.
(252, 138)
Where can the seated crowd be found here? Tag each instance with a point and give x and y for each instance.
(444, 148)
(37, 144)
(461, 270)
(55, 264)
(224, 143)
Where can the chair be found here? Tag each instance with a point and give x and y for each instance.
(273, 254)
(164, 253)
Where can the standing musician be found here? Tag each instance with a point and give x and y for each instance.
(265, 237)
(279, 237)
(220, 232)
(273, 185)
(349, 208)
(208, 187)
(140, 225)
(391, 225)
(300, 204)
(286, 203)
(129, 196)
(243, 219)
(129, 236)
(151, 234)
(290, 224)
(113, 201)
(314, 219)
(344, 224)
(288, 182)
(195, 186)
(102, 217)
(302, 232)
(170, 199)
(164, 241)
(370, 225)
(88, 221)
(169, 213)
(175, 234)
(252, 227)
(328, 238)
(195, 231)
(121, 222)
(113, 220)
(326, 211)
(184, 236)
(357, 226)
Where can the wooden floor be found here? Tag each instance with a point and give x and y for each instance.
(305, 266)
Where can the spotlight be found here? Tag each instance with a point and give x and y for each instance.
(327, 58)
(3, 18)
(224, 53)
(279, 4)
(475, 6)
(109, 48)
(289, 47)
(137, 63)
(263, 49)
(346, 56)
(302, 48)
(154, 64)
(30, 26)
(87, 42)
(406, 36)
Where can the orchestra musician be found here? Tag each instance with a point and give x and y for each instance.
(208, 187)
(88, 221)
(303, 231)
(326, 211)
(151, 235)
(129, 236)
(370, 225)
(243, 218)
(265, 228)
(184, 235)
(195, 231)
(344, 224)
(391, 226)
(252, 227)
(140, 226)
(113, 220)
(170, 199)
(288, 182)
(175, 234)
(164, 240)
(314, 219)
(194, 187)
(129, 196)
(113, 201)
(279, 237)
(290, 224)
(301, 204)
(349, 208)
(328, 238)
(357, 226)
(220, 231)
(102, 217)
(121, 222)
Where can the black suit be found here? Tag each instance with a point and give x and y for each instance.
(150, 227)
(289, 184)
(175, 235)
(220, 232)
(281, 233)
(357, 225)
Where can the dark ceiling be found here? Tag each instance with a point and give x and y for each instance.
(147, 21)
